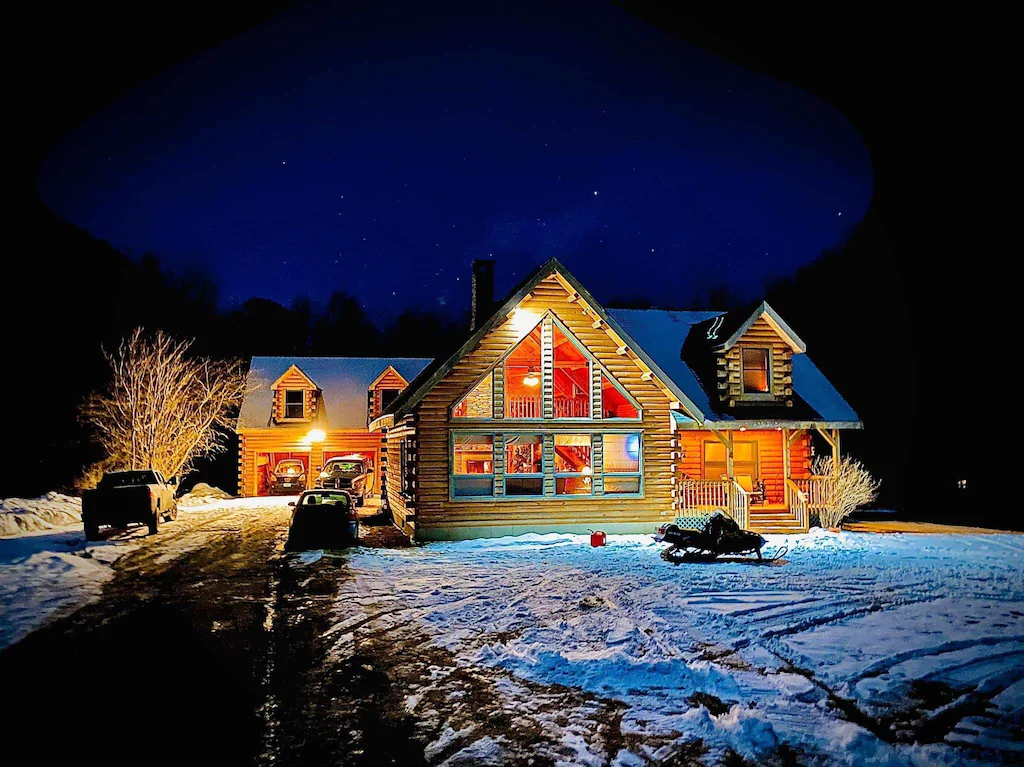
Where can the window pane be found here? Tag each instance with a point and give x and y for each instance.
(387, 396)
(744, 451)
(714, 451)
(524, 485)
(523, 455)
(621, 485)
(474, 454)
(614, 403)
(755, 371)
(468, 486)
(572, 453)
(522, 379)
(621, 452)
(479, 402)
(573, 485)
(293, 403)
(571, 378)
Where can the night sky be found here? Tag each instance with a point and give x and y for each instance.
(380, 153)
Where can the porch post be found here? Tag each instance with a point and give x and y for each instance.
(785, 455)
(729, 458)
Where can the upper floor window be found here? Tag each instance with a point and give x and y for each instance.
(756, 374)
(388, 396)
(479, 403)
(571, 377)
(523, 390)
(294, 403)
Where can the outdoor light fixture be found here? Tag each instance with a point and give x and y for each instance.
(316, 435)
(586, 470)
(531, 379)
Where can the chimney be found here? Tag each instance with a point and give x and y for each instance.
(483, 292)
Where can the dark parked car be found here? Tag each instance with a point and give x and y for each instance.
(288, 477)
(349, 473)
(123, 497)
(323, 519)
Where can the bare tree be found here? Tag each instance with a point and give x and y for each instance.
(163, 408)
(851, 487)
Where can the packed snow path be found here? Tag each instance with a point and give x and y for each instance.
(209, 645)
(895, 649)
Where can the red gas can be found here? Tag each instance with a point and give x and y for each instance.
(598, 538)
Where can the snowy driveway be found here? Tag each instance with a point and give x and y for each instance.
(861, 648)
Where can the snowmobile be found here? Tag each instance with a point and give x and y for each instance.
(720, 535)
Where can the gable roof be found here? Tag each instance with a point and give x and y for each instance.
(437, 370)
(682, 345)
(383, 375)
(343, 382)
(297, 371)
(734, 324)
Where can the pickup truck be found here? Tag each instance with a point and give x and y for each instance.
(122, 497)
(349, 473)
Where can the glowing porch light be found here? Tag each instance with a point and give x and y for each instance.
(531, 378)
(523, 320)
(316, 435)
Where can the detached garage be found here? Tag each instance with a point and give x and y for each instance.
(302, 411)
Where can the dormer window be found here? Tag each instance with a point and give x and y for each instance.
(756, 371)
(294, 404)
(387, 396)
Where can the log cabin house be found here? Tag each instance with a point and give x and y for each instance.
(559, 415)
(312, 409)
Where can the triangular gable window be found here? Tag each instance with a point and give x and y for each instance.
(522, 378)
(615, 403)
(571, 376)
(479, 403)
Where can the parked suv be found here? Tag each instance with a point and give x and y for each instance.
(288, 477)
(350, 473)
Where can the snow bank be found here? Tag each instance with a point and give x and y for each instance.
(203, 495)
(20, 516)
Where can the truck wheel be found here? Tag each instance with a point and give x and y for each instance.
(154, 523)
(92, 531)
(173, 514)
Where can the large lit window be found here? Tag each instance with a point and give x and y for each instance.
(744, 460)
(621, 464)
(523, 390)
(524, 465)
(294, 403)
(479, 403)
(614, 402)
(573, 464)
(473, 465)
(571, 378)
(755, 371)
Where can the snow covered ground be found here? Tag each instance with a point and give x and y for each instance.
(48, 569)
(25, 515)
(859, 649)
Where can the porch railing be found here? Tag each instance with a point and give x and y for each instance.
(709, 495)
(796, 500)
(816, 490)
(533, 407)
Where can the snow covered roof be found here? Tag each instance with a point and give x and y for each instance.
(429, 378)
(662, 334)
(343, 382)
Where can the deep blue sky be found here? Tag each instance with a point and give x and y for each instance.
(380, 153)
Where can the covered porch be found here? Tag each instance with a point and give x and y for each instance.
(759, 474)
